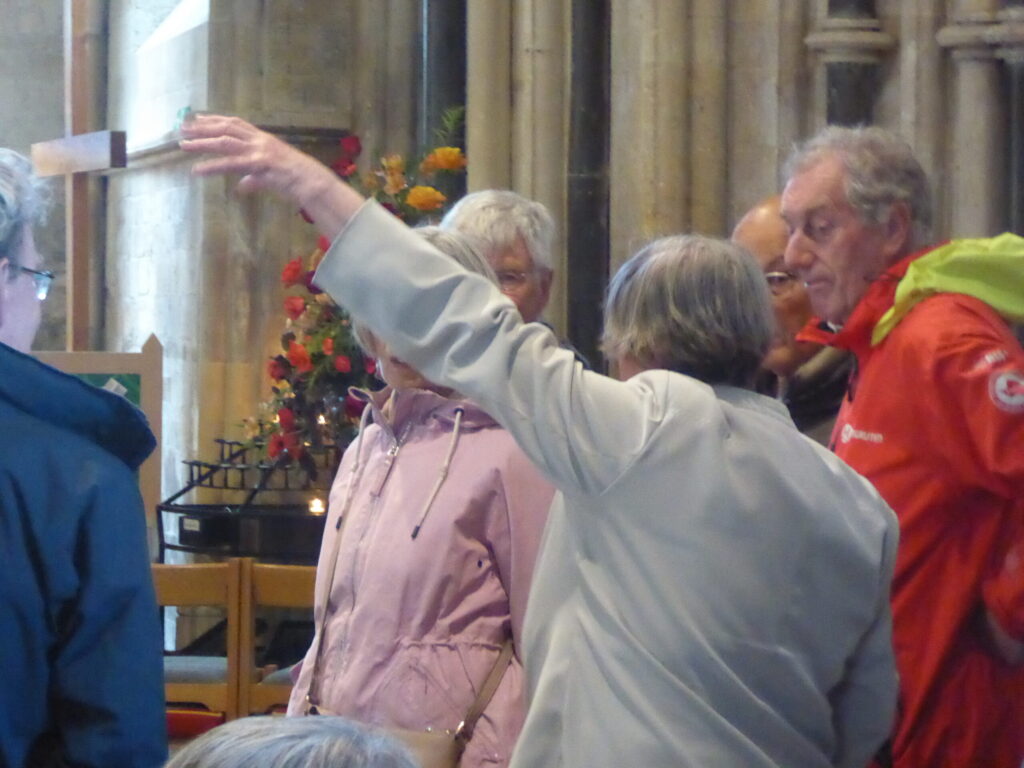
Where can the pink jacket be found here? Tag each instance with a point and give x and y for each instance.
(415, 624)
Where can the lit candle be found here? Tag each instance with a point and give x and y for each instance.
(316, 506)
(321, 419)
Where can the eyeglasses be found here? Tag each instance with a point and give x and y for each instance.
(780, 282)
(510, 280)
(42, 279)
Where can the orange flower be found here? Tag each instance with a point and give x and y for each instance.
(327, 346)
(444, 159)
(298, 356)
(393, 163)
(394, 183)
(424, 198)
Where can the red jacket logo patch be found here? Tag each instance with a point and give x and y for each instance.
(1007, 391)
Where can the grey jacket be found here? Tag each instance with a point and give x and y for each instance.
(712, 588)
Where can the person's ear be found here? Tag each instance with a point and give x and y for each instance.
(897, 231)
(547, 276)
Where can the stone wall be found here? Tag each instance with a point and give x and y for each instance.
(188, 259)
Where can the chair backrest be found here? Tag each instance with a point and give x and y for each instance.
(266, 585)
(212, 584)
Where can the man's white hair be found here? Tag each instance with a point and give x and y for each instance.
(498, 218)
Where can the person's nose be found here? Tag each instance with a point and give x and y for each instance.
(798, 255)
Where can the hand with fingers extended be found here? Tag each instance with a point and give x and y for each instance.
(265, 162)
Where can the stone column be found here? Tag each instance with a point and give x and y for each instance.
(489, 93)
(977, 164)
(708, 105)
(382, 65)
(649, 128)
(768, 95)
(922, 91)
(540, 51)
(850, 44)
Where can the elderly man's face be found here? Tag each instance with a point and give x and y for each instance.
(763, 233)
(528, 285)
(830, 247)
(20, 309)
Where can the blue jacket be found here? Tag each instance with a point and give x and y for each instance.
(82, 677)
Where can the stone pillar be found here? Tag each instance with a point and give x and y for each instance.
(977, 164)
(382, 63)
(649, 126)
(489, 94)
(768, 95)
(708, 105)
(922, 91)
(540, 52)
(850, 44)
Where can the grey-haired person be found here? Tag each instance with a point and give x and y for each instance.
(292, 742)
(83, 676)
(713, 587)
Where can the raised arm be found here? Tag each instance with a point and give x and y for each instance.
(264, 162)
(582, 428)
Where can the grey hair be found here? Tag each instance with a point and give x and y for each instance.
(500, 217)
(292, 742)
(461, 247)
(881, 170)
(23, 202)
(692, 304)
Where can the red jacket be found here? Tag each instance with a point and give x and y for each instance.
(934, 418)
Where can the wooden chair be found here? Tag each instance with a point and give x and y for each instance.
(266, 585)
(211, 682)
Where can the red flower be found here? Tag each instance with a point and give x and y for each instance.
(294, 306)
(342, 364)
(327, 345)
(323, 243)
(277, 367)
(351, 146)
(287, 443)
(292, 444)
(298, 356)
(286, 418)
(292, 272)
(344, 167)
(276, 445)
(370, 365)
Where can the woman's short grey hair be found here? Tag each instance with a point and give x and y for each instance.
(880, 170)
(292, 742)
(695, 305)
(463, 248)
(500, 217)
(23, 202)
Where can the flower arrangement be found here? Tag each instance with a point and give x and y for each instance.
(310, 412)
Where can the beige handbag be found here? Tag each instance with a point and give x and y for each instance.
(432, 749)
